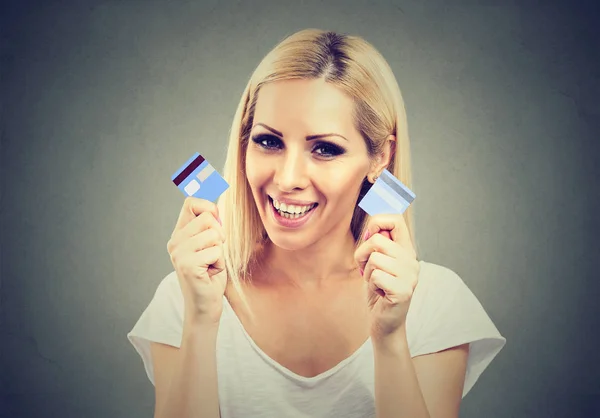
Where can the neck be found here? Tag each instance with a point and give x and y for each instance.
(326, 261)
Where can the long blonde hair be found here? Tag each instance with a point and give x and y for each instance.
(356, 68)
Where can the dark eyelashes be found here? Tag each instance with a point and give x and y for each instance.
(272, 142)
(259, 139)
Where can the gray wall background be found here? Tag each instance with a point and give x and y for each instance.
(103, 100)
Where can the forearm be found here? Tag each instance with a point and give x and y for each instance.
(397, 390)
(193, 391)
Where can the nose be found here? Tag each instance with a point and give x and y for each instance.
(291, 172)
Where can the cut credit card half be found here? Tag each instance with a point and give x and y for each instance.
(388, 195)
(198, 178)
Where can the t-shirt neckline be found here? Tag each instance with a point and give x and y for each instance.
(284, 370)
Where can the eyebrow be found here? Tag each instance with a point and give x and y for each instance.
(308, 138)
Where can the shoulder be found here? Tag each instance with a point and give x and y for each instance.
(442, 293)
(443, 308)
(170, 285)
(161, 320)
(439, 275)
(436, 287)
(436, 281)
(444, 313)
(168, 295)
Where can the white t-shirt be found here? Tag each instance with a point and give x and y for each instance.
(443, 313)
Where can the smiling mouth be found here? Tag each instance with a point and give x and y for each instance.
(291, 211)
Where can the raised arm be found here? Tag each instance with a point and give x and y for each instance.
(185, 378)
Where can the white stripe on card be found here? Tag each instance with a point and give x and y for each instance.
(389, 198)
(206, 171)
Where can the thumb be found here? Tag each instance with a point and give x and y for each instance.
(385, 233)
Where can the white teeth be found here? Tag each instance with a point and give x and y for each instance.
(292, 209)
(300, 209)
(291, 215)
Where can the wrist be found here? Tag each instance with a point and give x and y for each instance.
(199, 334)
(193, 323)
(392, 343)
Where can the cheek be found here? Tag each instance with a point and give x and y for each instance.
(342, 187)
(348, 176)
(256, 172)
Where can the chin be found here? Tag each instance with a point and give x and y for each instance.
(293, 242)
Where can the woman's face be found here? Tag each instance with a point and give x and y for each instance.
(304, 156)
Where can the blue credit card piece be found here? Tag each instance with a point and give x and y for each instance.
(199, 179)
(387, 196)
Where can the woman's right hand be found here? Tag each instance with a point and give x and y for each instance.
(196, 250)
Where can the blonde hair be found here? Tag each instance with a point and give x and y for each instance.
(356, 68)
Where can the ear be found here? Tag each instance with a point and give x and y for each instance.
(383, 159)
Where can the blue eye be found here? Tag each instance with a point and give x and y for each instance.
(267, 141)
(328, 149)
(322, 149)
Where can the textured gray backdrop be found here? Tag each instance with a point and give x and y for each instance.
(103, 100)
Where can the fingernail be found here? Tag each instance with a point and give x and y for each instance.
(219, 220)
(366, 235)
(362, 272)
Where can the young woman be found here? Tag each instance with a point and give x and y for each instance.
(286, 299)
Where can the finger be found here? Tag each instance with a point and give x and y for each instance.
(204, 221)
(385, 233)
(399, 264)
(199, 262)
(382, 262)
(376, 243)
(192, 207)
(395, 223)
(396, 291)
(211, 257)
(400, 233)
(205, 239)
(381, 222)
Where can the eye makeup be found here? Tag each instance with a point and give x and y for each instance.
(324, 149)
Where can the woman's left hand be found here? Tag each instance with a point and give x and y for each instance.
(389, 265)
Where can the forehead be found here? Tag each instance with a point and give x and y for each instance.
(309, 105)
